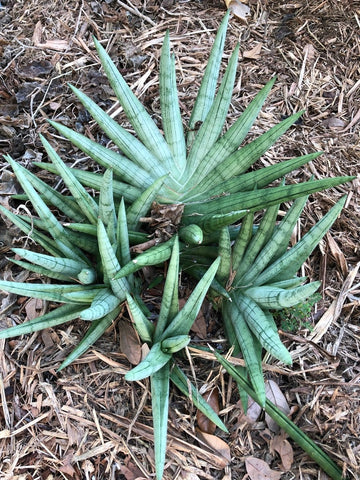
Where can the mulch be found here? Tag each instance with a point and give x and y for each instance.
(86, 422)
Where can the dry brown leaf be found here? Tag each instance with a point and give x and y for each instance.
(66, 466)
(309, 51)
(203, 422)
(337, 254)
(274, 394)
(33, 308)
(254, 53)
(253, 411)
(257, 469)
(130, 343)
(239, 9)
(199, 326)
(334, 123)
(217, 445)
(282, 446)
(130, 471)
(36, 38)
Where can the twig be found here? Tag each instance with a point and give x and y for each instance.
(135, 11)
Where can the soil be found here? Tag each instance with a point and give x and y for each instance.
(87, 422)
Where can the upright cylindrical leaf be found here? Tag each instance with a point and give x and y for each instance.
(170, 300)
(206, 94)
(170, 111)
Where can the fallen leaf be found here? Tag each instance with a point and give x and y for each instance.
(254, 53)
(66, 466)
(130, 343)
(239, 9)
(309, 51)
(217, 445)
(253, 411)
(257, 469)
(36, 38)
(130, 471)
(275, 395)
(33, 308)
(185, 475)
(199, 326)
(337, 254)
(203, 422)
(282, 446)
(334, 123)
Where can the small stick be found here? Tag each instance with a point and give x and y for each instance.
(135, 11)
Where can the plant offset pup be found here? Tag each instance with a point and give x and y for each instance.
(170, 336)
(259, 274)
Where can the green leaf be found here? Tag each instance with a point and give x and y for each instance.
(213, 124)
(65, 266)
(58, 316)
(153, 362)
(107, 212)
(239, 330)
(241, 160)
(95, 331)
(170, 111)
(289, 263)
(104, 302)
(66, 204)
(252, 180)
(110, 264)
(122, 235)
(94, 180)
(294, 432)
(214, 222)
(278, 243)
(259, 325)
(224, 270)
(133, 148)
(153, 256)
(232, 138)
(122, 166)
(206, 94)
(182, 382)
(170, 301)
(160, 409)
(257, 242)
(276, 298)
(184, 320)
(141, 121)
(85, 201)
(258, 199)
(143, 326)
(242, 241)
(55, 293)
(55, 228)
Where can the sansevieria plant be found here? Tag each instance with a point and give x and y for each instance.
(202, 174)
(170, 335)
(83, 264)
(259, 273)
(203, 170)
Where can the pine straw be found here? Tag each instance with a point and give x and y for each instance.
(87, 422)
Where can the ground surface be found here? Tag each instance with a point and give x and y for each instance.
(87, 422)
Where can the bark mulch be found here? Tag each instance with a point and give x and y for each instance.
(86, 422)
